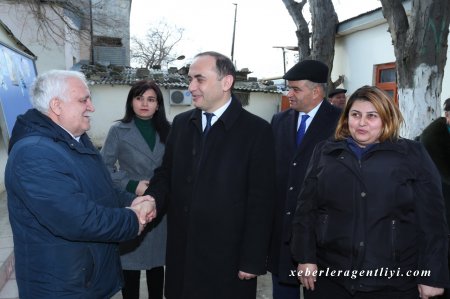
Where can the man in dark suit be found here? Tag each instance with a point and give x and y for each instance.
(338, 98)
(297, 130)
(219, 168)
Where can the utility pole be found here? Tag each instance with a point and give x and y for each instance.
(91, 31)
(234, 32)
(284, 58)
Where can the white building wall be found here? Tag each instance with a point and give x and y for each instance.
(264, 105)
(446, 81)
(357, 53)
(50, 55)
(109, 102)
(72, 47)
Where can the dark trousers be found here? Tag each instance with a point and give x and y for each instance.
(325, 288)
(284, 291)
(155, 282)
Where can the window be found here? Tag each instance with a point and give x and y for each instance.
(107, 41)
(386, 79)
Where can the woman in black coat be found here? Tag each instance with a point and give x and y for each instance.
(370, 219)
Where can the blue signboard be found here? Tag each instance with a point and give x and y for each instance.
(17, 73)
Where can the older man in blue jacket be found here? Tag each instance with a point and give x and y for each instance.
(65, 214)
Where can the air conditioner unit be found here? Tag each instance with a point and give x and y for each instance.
(180, 97)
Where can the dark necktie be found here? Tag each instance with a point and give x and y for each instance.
(208, 122)
(301, 129)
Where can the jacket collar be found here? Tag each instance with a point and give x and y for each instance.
(228, 117)
(399, 146)
(316, 125)
(134, 139)
(35, 123)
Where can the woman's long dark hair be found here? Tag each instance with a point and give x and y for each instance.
(159, 119)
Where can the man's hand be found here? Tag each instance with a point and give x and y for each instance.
(145, 208)
(245, 276)
(141, 187)
(307, 275)
(426, 292)
(140, 199)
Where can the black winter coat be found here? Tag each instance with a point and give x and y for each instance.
(384, 211)
(291, 165)
(220, 206)
(436, 139)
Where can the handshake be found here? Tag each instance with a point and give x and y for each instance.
(145, 209)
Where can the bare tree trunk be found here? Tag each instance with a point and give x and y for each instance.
(420, 44)
(295, 10)
(323, 23)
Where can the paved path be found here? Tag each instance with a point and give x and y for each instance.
(8, 287)
(264, 290)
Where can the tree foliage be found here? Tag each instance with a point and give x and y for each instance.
(158, 45)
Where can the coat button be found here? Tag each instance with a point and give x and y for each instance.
(363, 194)
(291, 188)
(294, 164)
(288, 213)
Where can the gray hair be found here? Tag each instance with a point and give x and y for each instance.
(312, 84)
(50, 85)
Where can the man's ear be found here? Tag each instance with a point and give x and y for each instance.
(55, 106)
(227, 82)
(317, 91)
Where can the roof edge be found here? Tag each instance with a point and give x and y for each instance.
(19, 44)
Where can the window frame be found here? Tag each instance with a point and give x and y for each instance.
(386, 86)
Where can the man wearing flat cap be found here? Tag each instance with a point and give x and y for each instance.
(337, 97)
(310, 119)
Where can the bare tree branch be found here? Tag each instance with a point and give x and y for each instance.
(158, 45)
(59, 20)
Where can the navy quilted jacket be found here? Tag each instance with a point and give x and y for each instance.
(65, 214)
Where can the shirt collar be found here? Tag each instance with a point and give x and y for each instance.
(76, 138)
(311, 114)
(217, 113)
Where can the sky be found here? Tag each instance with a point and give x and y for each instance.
(208, 26)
